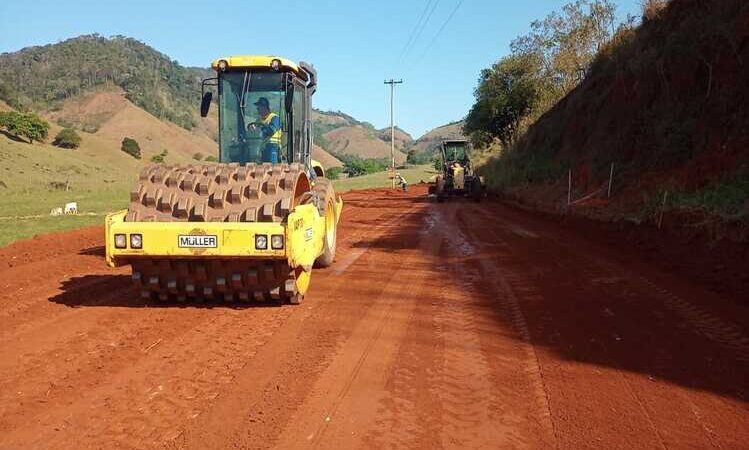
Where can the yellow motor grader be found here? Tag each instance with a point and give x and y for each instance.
(250, 227)
(458, 177)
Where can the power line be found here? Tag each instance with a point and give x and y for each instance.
(413, 30)
(423, 26)
(449, 18)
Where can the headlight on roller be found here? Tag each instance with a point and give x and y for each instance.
(120, 241)
(261, 242)
(136, 241)
(276, 242)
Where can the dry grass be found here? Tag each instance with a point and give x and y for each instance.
(360, 141)
(434, 137)
(326, 159)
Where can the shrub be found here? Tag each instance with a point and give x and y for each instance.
(131, 147)
(210, 158)
(198, 156)
(160, 158)
(29, 126)
(333, 173)
(90, 128)
(355, 166)
(67, 138)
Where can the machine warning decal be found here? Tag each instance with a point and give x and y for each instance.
(308, 234)
(200, 241)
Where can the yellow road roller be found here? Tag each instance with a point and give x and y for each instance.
(250, 227)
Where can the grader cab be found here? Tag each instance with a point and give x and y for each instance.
(250, 227)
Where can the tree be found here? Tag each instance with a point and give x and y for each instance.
(131, 147)
(543, 67)
(506, 94)
(411, 156)
(29, 126)
(567, 42)
(67, 138)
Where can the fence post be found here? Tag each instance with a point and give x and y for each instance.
(663, 207)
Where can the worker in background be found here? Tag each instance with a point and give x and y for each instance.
(270, 129)
(401, 182)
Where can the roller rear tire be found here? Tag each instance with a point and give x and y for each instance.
(327, 208)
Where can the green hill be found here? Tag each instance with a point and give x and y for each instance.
(42, 78)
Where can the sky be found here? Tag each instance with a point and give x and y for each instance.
(355, 45)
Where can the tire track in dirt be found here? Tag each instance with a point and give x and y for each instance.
(363, 363)
(622, 296)
(721, 331)
(271, 386)
(23, 286)
(484, 277)
(183, 374)
(717, 330)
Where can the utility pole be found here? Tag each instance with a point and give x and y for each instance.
(392, 84)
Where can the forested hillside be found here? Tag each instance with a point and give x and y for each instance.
(42, 78)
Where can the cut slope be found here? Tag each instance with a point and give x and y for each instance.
(666, 103)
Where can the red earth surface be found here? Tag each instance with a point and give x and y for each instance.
(456, 325)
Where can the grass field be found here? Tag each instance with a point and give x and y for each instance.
(380, 179)
(25, 215)
(31, 178)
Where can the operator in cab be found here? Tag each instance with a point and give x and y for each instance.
(270, 130)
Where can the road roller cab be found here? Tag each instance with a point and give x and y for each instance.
(251, 226)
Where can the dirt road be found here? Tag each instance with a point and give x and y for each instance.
(440, 326)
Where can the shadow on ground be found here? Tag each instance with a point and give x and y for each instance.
(118, 291)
